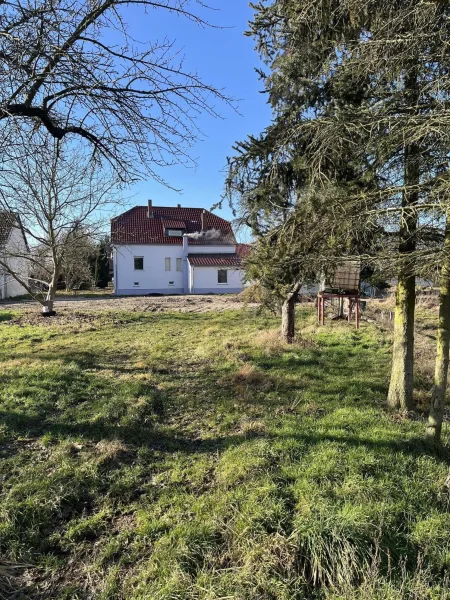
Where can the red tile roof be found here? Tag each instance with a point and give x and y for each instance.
(173, 224)
(243, 250)
(135, 227)
(214, 260)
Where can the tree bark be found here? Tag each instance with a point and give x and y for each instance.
(47, 306)
(402, 372)
(402, 375)
(288, 314)
(434, 427)
(288, 319)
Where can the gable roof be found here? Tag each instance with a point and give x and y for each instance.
(8, 221)
(136, 227)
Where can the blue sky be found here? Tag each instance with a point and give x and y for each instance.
(226, 59)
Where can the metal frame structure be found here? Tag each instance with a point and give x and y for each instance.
(352, 303)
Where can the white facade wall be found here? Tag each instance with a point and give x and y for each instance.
(9, 287)
(203, 280)
(155, 279)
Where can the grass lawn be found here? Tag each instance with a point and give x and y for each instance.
(193, 456)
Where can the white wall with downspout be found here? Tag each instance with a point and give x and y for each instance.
(154, 278)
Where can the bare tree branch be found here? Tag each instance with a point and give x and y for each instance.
(74, 69)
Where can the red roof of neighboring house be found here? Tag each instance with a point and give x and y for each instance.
(243, 250)
(135, 226)
(214, 260)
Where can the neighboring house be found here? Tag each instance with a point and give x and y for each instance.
(168, 250)
(13, 252)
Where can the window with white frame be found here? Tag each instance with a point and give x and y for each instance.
(222, 276)
(174, 232)
(138, 263)
(179, 264)
(167, 263)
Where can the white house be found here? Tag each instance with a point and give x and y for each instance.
(175, 250)
(13, 252)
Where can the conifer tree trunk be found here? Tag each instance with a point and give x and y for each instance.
(288, 315)
(402, 375)
(438, 394)
(288, 319)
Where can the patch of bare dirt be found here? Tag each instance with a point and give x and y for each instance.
(86, 310)
(30, 315)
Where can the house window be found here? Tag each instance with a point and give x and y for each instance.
(138, 263)
(167, 260)
(179, 264)
(222, 276)
(136, 284)
(171, 283)
(174, 232)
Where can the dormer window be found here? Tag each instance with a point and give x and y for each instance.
(174, 232)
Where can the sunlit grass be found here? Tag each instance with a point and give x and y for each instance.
(195, 456)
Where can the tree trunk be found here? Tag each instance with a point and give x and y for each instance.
(47, 306)
(438, 394)
(288, 319)
(288, 314)
(402, 374)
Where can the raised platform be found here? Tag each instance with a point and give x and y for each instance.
(352, 304)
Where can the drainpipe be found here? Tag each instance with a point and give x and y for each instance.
(185, 264)
(115, 270)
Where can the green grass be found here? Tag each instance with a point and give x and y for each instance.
(193, 456)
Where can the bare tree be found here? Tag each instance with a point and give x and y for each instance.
(74, 68)
(62, 199)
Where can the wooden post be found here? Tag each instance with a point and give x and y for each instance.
(357, 312)
(349, 315)
(318, 308)
(322, 321)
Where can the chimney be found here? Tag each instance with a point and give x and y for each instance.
(178, 205)
(150, 212)
(202, 216)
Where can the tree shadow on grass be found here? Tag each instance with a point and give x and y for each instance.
(332, 374)
(169, 441)
(139, 435)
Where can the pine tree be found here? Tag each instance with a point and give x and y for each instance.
(360, 98)
(297, 235)
(100, 263)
